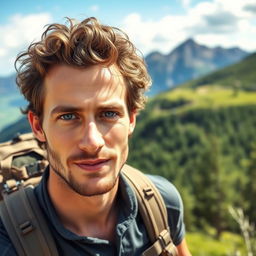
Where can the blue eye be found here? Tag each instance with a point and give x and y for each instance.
(109, 114)
(68, 117)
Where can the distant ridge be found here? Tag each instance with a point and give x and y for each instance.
(21, 126)
(189, 60)
(241, 75)
(8, 85)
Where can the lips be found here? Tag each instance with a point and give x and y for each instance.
(92, 164)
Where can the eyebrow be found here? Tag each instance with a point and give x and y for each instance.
(104, 105)
(65, 109)
(111, 104)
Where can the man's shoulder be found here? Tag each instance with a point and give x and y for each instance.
(174, 206)
(168, 191)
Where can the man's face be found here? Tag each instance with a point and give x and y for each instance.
(86, 126)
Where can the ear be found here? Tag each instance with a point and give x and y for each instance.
(36, 126)
(132, 124)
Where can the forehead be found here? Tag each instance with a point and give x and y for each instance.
(70, 84)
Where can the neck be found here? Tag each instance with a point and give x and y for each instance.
(93, 216)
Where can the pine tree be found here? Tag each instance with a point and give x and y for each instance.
(250, 189)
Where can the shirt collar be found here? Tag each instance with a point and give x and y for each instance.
(128, 208)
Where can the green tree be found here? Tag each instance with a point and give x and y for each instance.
(250, 188)
(210, 192)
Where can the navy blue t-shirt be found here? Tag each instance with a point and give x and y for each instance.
(131, 235)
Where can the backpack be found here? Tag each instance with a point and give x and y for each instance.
(22, 163)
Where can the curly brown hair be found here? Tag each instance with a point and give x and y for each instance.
(81, 45)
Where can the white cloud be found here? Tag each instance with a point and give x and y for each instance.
(154, 35)
(94, 8)
(219, 22)
(185, 3)
(3, 52)
(17, 34)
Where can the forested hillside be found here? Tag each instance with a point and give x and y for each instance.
(203, 141)
(202, 137)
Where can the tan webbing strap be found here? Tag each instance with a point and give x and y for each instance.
(153, 212)
(26, 225)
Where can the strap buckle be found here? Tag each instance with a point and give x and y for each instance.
(26, 227)
(11, 185)
(167, 245)
(148, 192)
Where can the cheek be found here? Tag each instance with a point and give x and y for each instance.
(57, 134)
(59, 142)
(117, 136)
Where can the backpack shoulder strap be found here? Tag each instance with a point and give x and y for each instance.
(153, 211)
(25, 223)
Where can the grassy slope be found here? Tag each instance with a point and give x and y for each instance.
(201, 244)
(212, 97)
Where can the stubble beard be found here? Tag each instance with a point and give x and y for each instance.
(70, 180)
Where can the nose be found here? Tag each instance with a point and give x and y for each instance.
(92, 139)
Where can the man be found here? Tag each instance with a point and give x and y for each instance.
(85, 84)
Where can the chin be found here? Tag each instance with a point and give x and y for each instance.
(95, 186)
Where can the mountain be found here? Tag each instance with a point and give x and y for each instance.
(241, 75)
(188, 61)
(18, 127)
(10, 101)
(8, 85)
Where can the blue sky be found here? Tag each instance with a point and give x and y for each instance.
(152, 25)
(108, 11)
